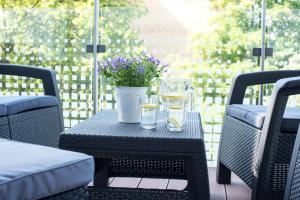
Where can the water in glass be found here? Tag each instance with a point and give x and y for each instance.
(176, 109)
(149, 113)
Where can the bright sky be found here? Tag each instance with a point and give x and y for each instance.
(192, 14)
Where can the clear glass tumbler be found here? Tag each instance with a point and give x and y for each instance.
(176, 109)
(149, 109)
(171, 88)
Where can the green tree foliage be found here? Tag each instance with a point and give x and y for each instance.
(235, 30)
(56, 20)
(54, 34)
(225, 49)
(283, 34)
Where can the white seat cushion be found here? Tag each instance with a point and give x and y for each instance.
(29, 172)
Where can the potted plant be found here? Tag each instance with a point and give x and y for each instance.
(131, 78)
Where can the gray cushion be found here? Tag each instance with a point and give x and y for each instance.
(255, 116)
(29, 172)
(10, 105)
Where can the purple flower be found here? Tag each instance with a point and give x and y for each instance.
(140, 70)
(153, 60)
(120, 60)
(157, 62)
(114, 63)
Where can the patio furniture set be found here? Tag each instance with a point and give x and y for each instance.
(257, 143)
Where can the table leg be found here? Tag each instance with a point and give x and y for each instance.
(101, 172)
(197, 175)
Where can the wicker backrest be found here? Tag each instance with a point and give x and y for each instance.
(47, 76)
(292, 191)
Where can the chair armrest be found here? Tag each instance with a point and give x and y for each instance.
(242, 81)
(292, 171)
(282, 90)
(272, 124)
(46, 75)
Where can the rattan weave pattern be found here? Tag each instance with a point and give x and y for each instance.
(276, 165)
(106, 122)
(295, 187)
(239, 146)
(3, 120)
(281, 162)
(103, 130)
(4, 128)
(135, 152)
(148, 168)
(136, 194)
(41, 126)
(80, 193)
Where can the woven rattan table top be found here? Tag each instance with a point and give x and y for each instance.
(103, 131)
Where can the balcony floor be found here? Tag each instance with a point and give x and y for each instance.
(237, 190)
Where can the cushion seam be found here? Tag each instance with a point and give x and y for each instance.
(249, 113)
(40, 172)
(237, 107)
(30, 99)
(246, 110)
(246, 122)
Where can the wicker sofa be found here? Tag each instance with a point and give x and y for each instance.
(257, 141)
(32, 119)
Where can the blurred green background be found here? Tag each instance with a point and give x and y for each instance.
(209, 41)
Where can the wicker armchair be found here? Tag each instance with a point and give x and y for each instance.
(292, 191)
(37, 120)
(256, 141)
(32, 119)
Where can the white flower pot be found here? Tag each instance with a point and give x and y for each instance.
(129, 103)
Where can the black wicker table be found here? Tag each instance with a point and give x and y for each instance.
(128, 150)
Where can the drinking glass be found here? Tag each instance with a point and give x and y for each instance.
(170, 87)
(149, 109)
(176, 110)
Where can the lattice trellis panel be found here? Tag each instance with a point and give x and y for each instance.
(55, 39)
(211, 83)
(75, 92)
(211, 95)
(20, 86)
